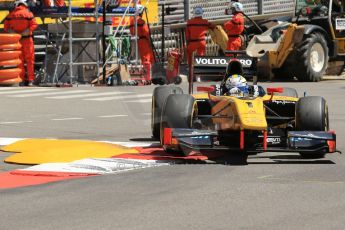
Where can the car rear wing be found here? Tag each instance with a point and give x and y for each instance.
(216, 66)
(213, 67)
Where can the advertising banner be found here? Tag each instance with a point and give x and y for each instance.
(151, 6)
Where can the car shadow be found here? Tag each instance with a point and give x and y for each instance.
(289, 159)
(145, 139)
(274, 160)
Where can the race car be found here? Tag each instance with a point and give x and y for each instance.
(271, 120)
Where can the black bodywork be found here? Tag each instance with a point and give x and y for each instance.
(215, 67)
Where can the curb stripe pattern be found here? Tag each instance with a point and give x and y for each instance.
(52, 172)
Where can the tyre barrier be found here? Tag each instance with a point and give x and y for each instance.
(6, 74)
(9, 38)
(10, 63)
(9, 55)
(8, 47)
(10, 51)
(10, 81)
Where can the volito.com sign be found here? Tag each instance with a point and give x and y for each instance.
(219, 62)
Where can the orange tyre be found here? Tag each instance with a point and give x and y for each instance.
(9, 38)
(11, 81)
(9, 55)
(7, 74)
(13, 62)
(14, 46)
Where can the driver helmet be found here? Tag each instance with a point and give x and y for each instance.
(198, 11)
(234, 67)
(20, 2)
(236, 7)
(236, 85)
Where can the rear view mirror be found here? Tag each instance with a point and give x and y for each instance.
(207, 89)
(274, 90)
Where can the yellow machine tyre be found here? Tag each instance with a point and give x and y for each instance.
(178, 112)
(311, 58)
(312, 115)
(159, 96)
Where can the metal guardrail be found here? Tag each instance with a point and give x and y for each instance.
(214, 9)
(174, 35)
(175, 39)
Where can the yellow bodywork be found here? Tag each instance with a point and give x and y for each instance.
(219, 36)
(292, 36)
(273, 53)
(241, 113)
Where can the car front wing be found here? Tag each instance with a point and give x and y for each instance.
(296, 141)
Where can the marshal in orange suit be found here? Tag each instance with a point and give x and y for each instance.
(22, 21)
(234, 27)
(196, 30)
(144, 44)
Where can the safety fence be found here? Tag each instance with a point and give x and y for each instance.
(215, 9)
(174, 29)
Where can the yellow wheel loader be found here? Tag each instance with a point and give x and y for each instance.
(304, 47)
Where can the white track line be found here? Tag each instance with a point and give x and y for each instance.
(131, 144)
(10, 88)
(112, 116)
(8, 141)
(88, 95)
(26, 91)
(119, 97)
(68, 119)
(141, 100)
(14, 122)
(52, 93)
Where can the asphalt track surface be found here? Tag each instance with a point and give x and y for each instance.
(274, 191)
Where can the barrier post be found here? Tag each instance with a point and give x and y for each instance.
(260, 7)
(186, 10)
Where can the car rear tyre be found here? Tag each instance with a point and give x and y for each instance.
(312, 115)
(311, 58)
(179, 111)
(160, 94)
